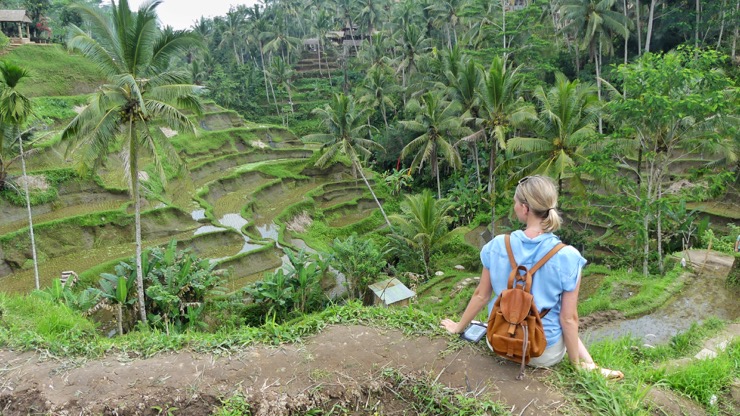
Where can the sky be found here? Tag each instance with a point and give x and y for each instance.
(181, 14)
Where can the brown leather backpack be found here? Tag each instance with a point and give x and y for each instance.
(515, 326)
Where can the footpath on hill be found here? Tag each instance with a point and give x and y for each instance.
(342, 365)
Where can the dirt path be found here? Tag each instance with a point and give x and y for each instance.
(341, 365)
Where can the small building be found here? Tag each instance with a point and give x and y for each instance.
(16, 25)
(391, 292)
(311, 44)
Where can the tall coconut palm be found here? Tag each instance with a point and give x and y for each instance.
(134, 55)
(15, 108)
(233, 31)
(321, 24)
(437, 122)
(377, 89)
(281, 74)
(564, 133)
(594, 21)
(412, 44)
(370, 16)
(347, 126)
(501, 110)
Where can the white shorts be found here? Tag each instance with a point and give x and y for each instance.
(552, 355)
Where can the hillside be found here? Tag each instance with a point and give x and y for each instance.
(54, 71)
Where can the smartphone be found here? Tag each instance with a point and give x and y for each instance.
(474, 332)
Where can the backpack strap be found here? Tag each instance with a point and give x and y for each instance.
(533, 270)
(540, 264)
(512, 261)
(547, 257)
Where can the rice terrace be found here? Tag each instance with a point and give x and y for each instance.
(272, 211)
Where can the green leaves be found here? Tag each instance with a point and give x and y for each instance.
(295, 289)
(360, 261)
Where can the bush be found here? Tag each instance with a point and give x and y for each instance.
(176, 284)
(360, 261)
(292, 291)
(4, 41)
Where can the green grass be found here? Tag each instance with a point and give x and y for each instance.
(54, 71)
(648, 292)
(30, 323)
(645, 367)
(52, 110)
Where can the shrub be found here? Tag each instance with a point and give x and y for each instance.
(360, 261)
(293, 290)
(4, 41)
(176, 284)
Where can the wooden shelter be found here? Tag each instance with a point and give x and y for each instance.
(16, 25)
(391, 292)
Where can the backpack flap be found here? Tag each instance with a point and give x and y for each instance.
(515, 305)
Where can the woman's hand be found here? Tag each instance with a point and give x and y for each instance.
(450, 326)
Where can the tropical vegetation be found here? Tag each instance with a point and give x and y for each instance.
(244, 180)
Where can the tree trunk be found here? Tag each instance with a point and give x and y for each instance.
(370, 188)
(722, 24)
(492, 185)
(650, 25)
(696, 27)
(646, 237)
(597, 59)
(659, 230)
(119, 317)
(290, 98)
(737, 31)
(477, 162)
(503, 22)
(264, 73)
(30, 216)
(274, 97)
(639, 28)
(134, 172)
(236, 54)
(318, 49)
(626, 38)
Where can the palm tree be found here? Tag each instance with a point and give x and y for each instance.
(423, 225)
(461, 88)
(594, 21)
(322, 23)
(281, 42)
(376, 54)
(436, 123)
(369, 16)
(447, 14)
(377, 89)
(233, 32)
(15, 108)
(564, 132)
(346, 125)
(281, 74)
(412, 44)
(501, 110)
(135, 57)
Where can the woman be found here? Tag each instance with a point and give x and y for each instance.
(555, 286)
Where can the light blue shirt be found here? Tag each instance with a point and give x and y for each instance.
(560, 274)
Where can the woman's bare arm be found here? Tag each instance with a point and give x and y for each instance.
(480, 298)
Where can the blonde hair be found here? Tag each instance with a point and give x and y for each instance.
(540, 194)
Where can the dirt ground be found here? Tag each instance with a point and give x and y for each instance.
(342, 365)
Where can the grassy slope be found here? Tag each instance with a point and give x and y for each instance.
(54, 71)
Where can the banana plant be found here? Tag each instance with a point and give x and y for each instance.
(116, 289)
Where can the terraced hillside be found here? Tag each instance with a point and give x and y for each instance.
(236, 188)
